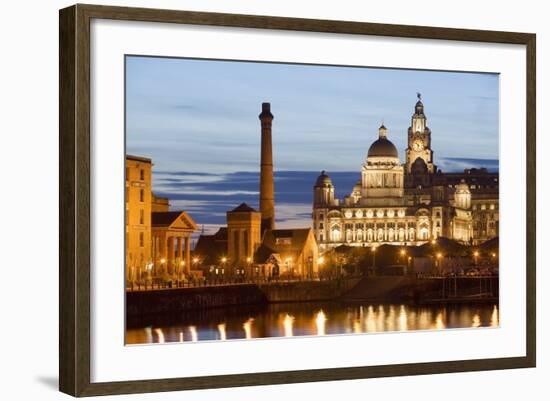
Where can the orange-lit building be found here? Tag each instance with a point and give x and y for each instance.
(157, 239)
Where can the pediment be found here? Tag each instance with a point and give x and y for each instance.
(183, 222)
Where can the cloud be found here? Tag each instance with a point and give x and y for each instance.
(203, 114)
(293, 215)
(458, 164)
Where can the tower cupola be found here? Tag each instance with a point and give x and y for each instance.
(419, 107)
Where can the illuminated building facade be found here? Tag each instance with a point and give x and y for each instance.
(409, 203)
(157, 240)
(250, 244)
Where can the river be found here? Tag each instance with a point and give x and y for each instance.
(306, 319)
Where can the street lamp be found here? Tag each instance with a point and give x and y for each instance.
(224, 259)
(439, 256)
(402, 254)
(476, 254)
(180, 270)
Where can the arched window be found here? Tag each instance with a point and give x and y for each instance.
(390, 235)
(369, 235)
(411, 234)
(401, 235)
(380, 235)
(360, 236)
(335, 234)
(349, 235)
(424, 233)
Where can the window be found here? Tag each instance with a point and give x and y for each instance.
(142, 174)
(283, 241)
(321, 237)
(401, 235)
(321, 226)
(321, 216)
(141, 240)
(424, 233)
(141, 195)
(141, 216)
(236, 244)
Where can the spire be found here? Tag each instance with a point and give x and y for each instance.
(419, 107)
(382, 131)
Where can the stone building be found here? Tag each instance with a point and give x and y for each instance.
(138, 215)
(250, 244)
(157, 240)
(409, 203)
(288, 253)
(243, 235)
(171, 244)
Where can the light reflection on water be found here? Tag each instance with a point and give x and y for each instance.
(288, 322)
(221, 329)
(299, 319)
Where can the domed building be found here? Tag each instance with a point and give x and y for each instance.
(382, 173)
(407, 203)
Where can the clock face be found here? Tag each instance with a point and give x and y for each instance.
(418, 145)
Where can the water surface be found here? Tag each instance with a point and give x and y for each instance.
(306, 319)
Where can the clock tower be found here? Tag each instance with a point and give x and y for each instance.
(419, 155)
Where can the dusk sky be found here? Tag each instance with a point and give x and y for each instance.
(198, 121)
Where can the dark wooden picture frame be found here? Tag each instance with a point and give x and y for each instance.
(74, 204)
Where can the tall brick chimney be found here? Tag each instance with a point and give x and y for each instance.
(267, 192)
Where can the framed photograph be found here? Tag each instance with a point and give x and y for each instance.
(249, 200)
